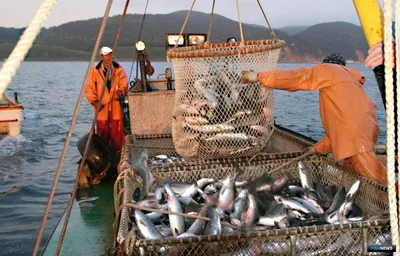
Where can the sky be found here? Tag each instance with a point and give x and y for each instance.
(19, 13)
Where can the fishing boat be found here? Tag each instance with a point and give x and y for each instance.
(100, 222)
(11, 116)
(151, 129)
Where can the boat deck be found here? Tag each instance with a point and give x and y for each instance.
(90, 227)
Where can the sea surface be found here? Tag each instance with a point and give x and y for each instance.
(49, 92)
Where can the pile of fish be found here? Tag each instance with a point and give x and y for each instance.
(259, 204)
(219, 117)
(163, 159)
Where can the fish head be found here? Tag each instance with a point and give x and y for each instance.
(302, 166)
(278, 199)
(280, 183)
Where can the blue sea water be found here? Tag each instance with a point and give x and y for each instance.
(49, 92)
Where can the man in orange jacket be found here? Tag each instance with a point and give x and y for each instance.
(347, 113)
(110, 124)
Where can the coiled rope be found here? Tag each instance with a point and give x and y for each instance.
(70, 131)
(390, 117)
(19, 52)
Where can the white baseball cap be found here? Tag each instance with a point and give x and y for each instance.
(105, 50)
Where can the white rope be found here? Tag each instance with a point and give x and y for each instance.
(390, 115)
(13, 61)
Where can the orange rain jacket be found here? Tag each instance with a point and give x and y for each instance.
(94, 87)
(347, 113)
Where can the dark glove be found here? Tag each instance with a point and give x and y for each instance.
(94, 103)
(117, 95)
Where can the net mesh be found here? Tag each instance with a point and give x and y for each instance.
(338, 239)
(214, 114)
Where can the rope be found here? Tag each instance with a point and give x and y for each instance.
(240, 23)
(19, 52)
(210, 22)
(70, 131)
(390, 117)
(184, 24)
(397, 30)
(73, 194)
(285, 164)
(189, 216)
(266, 19)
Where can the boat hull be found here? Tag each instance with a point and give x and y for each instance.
(11, 120)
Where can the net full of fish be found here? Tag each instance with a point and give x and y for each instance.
(220, 117)
(254, 205)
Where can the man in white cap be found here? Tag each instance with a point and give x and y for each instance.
(110, 124)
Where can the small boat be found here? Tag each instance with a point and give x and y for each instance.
(11, 116)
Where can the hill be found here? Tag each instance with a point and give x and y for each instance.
(75, 40)
(293, 30)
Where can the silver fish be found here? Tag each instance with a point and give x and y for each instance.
(337, 201)
(164, 230)
(324, 199)
(213, 227)
(160, 195)
(204, 181)
(211, 128)
(208, 93)
(139, 165)
(146, 227)
(270, 221)
(198, 225)
(179, 187)
(227, 193)
(291, 204)
(316, 209)
(196, 120)
(149, 203)
(312, 197)
(295, 189)
(238, 115)
(176, 222)
(273, 215)
(161, 157)
(231, 136)
(305, 176)
(251, 214)
(153, 216)
(227, 230)
(261, 129)
(190, 191)
(210, 189)
(353, 191)
(239, 206)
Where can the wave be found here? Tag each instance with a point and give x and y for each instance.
(10, 145)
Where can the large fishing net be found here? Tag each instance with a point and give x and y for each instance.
(215, 115)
